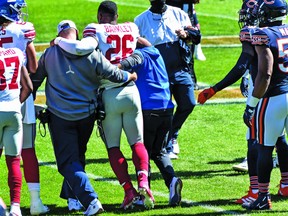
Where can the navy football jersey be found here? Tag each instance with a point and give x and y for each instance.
(276, 38)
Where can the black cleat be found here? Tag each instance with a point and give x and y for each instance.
(263, 202)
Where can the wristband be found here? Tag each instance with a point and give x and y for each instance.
(252, 101)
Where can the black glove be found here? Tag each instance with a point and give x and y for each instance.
(244, 86)
(248, 115)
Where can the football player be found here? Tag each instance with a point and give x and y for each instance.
(247, 60)
(268, 104)
(122, 102)
(15, 87)
(17, 33)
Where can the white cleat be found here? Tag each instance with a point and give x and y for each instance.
(38, 208)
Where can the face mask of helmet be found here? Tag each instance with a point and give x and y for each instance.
(247, 14)
(271, 14)
(158, 6)
(13, 10)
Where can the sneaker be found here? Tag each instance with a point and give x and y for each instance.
(175, 146)
(263, 202)
(131, 196)
(74, 204)
(144, 190)
(175, 191)
(283, 191)
(172, 155)
(241, 167)
(199, 55)
(250, 197)
(37, 208)
(15, 210)
(95, 207)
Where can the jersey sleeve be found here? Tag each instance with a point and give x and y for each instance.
(260, 37)
(28, 30)
(90, 30)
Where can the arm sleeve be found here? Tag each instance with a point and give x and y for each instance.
(135, 59)
(109, 71)
(236, 72)
(76, 47)
(38, 77)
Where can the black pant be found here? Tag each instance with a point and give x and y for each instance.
(156, 125)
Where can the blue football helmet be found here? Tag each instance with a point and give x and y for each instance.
(270, 11)
(247, 13)
(11, 9)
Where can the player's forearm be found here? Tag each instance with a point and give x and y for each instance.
(131, 61)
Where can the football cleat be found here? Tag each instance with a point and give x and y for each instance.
(130, 198)
(283, 191)
(250, 197)
(175, 191)
(144, 190)
(241, 167)
(263, 202)
(148, 197)
(94, 208)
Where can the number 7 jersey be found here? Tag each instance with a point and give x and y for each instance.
(116, 42)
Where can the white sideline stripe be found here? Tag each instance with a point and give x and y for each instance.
(116, 183)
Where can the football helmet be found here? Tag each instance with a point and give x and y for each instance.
(11, 9)
(270, 11)
(248, 14)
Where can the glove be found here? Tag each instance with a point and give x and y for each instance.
(248, 115)
(205, 95)
(244, 86)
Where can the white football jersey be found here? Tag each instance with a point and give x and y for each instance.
(19, 34)
(116, 42)
(11, 61)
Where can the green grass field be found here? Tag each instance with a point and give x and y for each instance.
(211, 140)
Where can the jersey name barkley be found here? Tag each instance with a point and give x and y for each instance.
(116, 42)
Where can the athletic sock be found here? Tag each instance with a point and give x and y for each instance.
(119, 165)
(14, 178)
(140, 157)
(30, 165)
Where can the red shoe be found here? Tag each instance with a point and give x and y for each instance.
(250, 197)
(144, 190)
(283, 191)
(131, 196)
(148, 197)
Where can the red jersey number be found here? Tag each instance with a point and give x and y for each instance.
(121, 45)
(9, 62)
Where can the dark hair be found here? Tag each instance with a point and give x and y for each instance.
(4, 21)
(109, 7)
